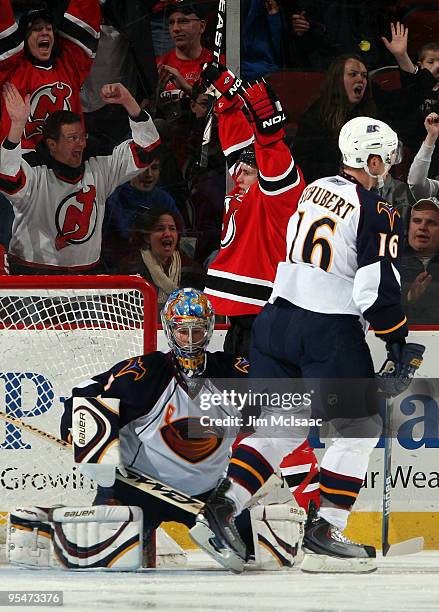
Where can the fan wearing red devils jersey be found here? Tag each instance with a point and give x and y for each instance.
(59, 200)
(267, 188)
(49, 67)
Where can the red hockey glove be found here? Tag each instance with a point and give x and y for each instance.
(223, 104)
(222, 79)
(265, 111)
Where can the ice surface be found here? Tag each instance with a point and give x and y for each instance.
(409, 583)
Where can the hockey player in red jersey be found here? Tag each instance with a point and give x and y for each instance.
(48, 66)
(267, 188)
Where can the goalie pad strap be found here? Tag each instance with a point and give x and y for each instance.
(28, 538)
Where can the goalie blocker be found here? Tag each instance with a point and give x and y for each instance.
(76, 538)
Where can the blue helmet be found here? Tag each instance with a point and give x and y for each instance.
(188, 320)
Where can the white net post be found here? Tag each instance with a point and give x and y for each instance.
(55, 332)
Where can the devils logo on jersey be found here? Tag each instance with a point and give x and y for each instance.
(188, 439)
(231, 207)
(45, 101)
(76, 218)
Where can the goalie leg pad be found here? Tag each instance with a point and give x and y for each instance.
(278, 531)
(28, 538)
(104, 537)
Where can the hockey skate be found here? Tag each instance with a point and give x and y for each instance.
(216, 533)
(327, 550)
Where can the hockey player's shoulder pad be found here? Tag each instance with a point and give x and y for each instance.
(379, 213)
(140, 367)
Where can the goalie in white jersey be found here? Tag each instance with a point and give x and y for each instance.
(340, 273)
(146, 415)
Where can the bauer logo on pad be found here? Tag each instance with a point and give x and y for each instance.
(95, 430)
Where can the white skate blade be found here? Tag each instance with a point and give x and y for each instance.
(202, 536)
(408, 547)
(325, 564)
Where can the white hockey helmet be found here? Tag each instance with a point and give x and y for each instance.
(363, 136)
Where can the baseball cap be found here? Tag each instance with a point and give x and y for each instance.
(187, 8)
(433, 201)
(28, 18)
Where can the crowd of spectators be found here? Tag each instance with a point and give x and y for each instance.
(165, 221)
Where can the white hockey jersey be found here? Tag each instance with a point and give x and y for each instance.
(59, 210)
(165, 429)
(342, 255)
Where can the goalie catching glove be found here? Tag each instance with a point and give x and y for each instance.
(265, 111)
(397, 372)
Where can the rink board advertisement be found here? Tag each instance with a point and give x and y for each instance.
(33, 385)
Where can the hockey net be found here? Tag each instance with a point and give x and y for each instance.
(56, 332)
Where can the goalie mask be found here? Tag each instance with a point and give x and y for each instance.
(188, 320)
(361, 137)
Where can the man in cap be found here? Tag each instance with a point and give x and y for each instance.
(49, 66)
(420, 263)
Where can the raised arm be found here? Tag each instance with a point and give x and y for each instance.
(420, 185)
(398, 46)
(277, 170)
(16, 176)
(234, 131)
(132, 156)
(79, 32)
(116, 93)
(18, 109)
(11, 41)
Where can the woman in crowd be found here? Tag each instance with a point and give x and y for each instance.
(156, 254)
(345, 94)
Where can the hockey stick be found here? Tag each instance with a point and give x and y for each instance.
(220, 22)
(406, 547)
(144, 483)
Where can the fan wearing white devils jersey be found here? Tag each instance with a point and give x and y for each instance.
(58, 196)
(341, 270)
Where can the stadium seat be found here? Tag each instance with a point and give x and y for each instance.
(386, 77)
(297, 90)
(403, 6)
(423, 25)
